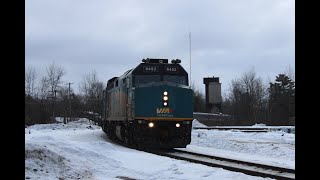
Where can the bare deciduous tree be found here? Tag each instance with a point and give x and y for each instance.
(90, 86)
(198, 100)
(92, 90)
(54, 75)
(42, 88)
(30, 81)
(248, 97)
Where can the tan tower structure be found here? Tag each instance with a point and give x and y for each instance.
(213, 94)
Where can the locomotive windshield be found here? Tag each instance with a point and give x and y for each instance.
(156, 72)
(175, 79)
(145, 79)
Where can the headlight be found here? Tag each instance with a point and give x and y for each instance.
(177, 125)
(165, 98)
(151, 124)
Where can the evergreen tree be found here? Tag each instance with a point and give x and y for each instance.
(282, 100)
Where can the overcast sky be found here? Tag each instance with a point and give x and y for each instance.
(228, 37)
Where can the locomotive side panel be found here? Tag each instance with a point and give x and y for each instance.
(116, 104)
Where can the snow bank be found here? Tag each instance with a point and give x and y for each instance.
(196, 123)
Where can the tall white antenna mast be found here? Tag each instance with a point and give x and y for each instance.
(190, 59)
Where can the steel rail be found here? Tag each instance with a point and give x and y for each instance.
(249, 168)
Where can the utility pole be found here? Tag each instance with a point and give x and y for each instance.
(69, 97)
(190, 58)
(53, 96)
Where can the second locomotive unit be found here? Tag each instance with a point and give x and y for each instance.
(149, 105)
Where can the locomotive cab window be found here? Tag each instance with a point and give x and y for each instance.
(145, 79)
(175, 79)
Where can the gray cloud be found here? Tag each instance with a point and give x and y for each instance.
(228, 36)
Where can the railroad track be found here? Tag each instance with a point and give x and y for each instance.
(249, 168)
(236, 128)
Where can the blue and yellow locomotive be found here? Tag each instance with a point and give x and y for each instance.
(149, 105)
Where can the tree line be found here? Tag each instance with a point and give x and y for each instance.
(249, 100)
(48, 96)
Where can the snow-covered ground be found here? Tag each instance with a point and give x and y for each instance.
(274, 148)
(80, 150)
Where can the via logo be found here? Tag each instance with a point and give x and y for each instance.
(164, 110)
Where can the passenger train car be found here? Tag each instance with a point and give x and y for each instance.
(149, 105)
